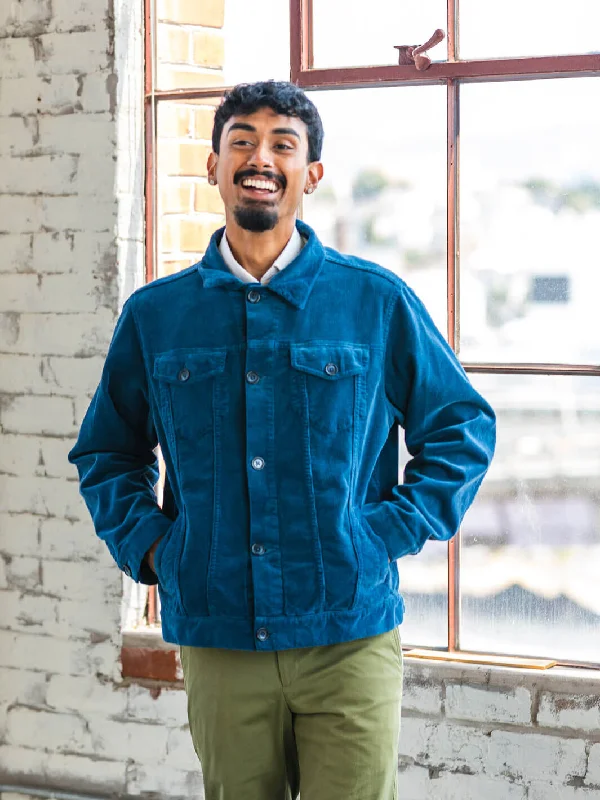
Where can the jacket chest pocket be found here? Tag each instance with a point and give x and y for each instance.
(328, 383)
(192, 389)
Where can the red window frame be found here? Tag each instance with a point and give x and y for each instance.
(451, 73)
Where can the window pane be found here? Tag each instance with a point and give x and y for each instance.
(354, 33)
(221, 43)
(530, 221)
(189, 210)
(383, 195)
(531, 541)
(513, 28)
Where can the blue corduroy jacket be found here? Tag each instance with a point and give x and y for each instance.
(276, 408)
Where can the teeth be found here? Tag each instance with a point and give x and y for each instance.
(270, 186)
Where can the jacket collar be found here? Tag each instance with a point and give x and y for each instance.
(294, 283)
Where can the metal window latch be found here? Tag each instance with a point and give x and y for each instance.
(409, 54)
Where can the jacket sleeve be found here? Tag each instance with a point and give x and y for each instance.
(450, 432)
(115, 457)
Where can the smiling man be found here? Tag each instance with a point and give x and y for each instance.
(274, 375)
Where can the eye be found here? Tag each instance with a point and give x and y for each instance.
(284, 146)
(241, 142)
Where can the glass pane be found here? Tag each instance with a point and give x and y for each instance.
(530, 221)
(221, 43)
(513, 28)
(354, 33)
(189, 210)
(531, 540)
(383, 195)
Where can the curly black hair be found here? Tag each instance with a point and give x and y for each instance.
(283, 98)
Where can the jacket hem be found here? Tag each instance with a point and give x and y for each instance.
(284, 632)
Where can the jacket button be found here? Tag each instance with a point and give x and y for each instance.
(258, 549)
(253, 296)
(183, 374)
(252, 377)
(262, 634)
(258, 462)
(127, 570)
(331, 369)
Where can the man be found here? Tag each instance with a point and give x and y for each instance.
(274, 375)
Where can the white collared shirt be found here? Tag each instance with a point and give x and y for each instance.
(287, 255)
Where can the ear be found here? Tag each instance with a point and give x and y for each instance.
(211, 167)
(313, 177)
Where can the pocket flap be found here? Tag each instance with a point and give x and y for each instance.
(189, 366)
(330, 361)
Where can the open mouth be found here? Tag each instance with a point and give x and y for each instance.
(262, 188)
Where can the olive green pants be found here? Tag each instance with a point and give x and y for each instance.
(322, 721)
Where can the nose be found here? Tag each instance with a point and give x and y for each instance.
(261, 157)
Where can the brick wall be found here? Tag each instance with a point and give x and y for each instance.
(71, 172)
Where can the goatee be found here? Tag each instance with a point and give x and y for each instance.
(255, 218)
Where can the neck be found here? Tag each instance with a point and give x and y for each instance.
(256, 252)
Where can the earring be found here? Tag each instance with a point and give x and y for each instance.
(211, 181)
(309, 189)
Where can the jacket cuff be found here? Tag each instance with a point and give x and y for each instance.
(132, 555)
(383, 520)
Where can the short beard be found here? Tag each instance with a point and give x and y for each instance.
(255, 218)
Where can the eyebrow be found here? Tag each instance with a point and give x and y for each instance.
(244, 126)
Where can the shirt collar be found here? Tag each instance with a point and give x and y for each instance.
(287, 255)
(294, 283)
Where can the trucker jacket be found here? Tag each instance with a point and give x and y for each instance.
(277, 409)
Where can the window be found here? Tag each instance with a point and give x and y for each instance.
(498, 231)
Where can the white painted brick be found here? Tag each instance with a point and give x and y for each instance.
(21, 761)
(53, 655)
(547, 791)
(28, 214)
(593, 770)
(30, 728)
(575, 712)
(69, 16)
(474, 787)
(77, 375)
(54, 456)
(19, 454)
(99, 92)
(143, 743)
(65, 539)
(3, 581)
(22, 686)
(424, 698)
(57, 334)
(413, 783)
(17, 134)
(180, 749)
(41, 415)
(29, 613)
(158, 780)
(81, 770)
(16, 57)
(85, 695)
(23, 572)
(34, 174)
(61, 293)
(73, 133)
(491, 705)
(60, 94)
(170, 706)
(77, 580)
(16, 249)
(25, 18)
(414, 737)
(19, 534)
(63, 251)
(458, 745)
(46, 374)
(534, 756)
(81, 52)
(78, 619)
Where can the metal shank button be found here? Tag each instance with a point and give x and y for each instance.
(253, 296)
(258, 549)
(258, 462)
(252, 377)
(262, 634)
(184, 374)
(331, 369)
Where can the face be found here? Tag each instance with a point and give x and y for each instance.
(262, 169)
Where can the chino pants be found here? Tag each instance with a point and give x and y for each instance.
(323, 721)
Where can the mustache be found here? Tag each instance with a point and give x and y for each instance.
(252, 173)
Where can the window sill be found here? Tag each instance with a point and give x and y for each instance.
(146, 656)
